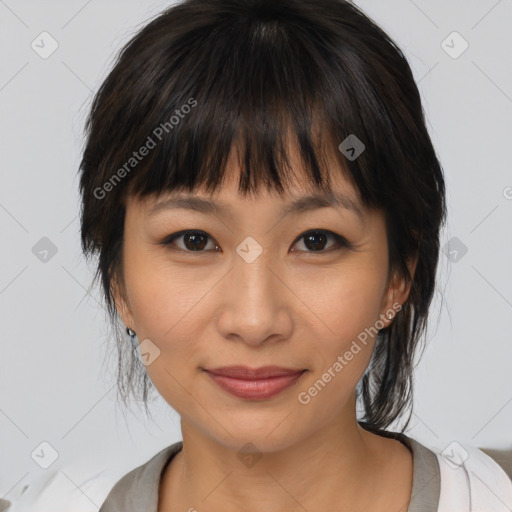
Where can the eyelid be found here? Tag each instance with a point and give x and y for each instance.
(168, 240)
(341, 241)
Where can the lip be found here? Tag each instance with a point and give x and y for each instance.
(256, 384)
(246, 373)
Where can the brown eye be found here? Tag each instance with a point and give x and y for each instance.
(193, 241)
(316, 241)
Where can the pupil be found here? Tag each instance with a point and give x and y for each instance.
(312, 237)
(195, 237)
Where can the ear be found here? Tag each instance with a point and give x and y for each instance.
(121, 303)
(397, 292)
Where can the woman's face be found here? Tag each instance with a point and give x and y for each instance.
(267, 296)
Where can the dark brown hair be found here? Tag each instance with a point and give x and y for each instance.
(205, 76)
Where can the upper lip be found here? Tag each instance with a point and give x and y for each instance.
(246, 373)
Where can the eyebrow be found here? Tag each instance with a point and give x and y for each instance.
(302, 204)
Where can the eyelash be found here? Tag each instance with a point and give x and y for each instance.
(341, 242)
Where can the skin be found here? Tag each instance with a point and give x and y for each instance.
(299, 309)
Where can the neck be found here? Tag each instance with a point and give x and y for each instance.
(336, 467)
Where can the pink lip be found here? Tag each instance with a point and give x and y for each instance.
(260, 383)
(246, 373)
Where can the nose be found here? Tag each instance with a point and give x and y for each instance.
(256, 304)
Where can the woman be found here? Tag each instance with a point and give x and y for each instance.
(265, 201)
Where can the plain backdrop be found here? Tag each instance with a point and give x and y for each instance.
(57, 363)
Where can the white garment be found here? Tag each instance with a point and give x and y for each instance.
(56, 493)
(471, 481)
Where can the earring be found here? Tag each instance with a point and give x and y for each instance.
(390, 315)
(131, 333)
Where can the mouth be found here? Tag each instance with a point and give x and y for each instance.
(256, 384)
(246, 373)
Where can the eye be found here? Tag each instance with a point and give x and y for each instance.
(314, 241)
(194, 241)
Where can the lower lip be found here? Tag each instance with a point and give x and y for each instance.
(259, 389)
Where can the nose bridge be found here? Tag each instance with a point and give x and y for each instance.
(253, 307)
(251, 267)
(254, 287)
(255, 282)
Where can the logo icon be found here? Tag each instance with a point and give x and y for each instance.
(455, 249)
(454, 45)
(249, 249)
(44, 250)
(249, 459)
(351, 147)
(44, 455)
(44, 45)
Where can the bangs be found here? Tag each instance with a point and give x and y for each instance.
(253, 86)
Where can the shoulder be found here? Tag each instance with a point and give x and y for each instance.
(470, 479)
(138, 489)
(488, 486)
(55, 490)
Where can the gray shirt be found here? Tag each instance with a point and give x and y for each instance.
(138, 489)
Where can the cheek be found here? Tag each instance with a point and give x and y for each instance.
(342, 352)
(166, 307)
(154, 292)
(347, 306)
(345, 302)
(169, 305)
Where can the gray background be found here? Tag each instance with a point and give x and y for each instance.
(57, 364)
